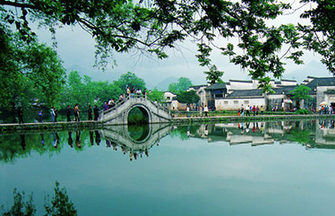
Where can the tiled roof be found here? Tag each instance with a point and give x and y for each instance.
(287, 80)
(196, 87)
(322, 81)
(258, 92)
(244, 81)
(216, 86)
(246, 93)
(283, 89)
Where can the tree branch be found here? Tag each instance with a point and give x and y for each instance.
(16, 4)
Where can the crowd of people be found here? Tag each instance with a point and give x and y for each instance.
(75, 111)
(93, 112)
(325, 109)
(248, 110)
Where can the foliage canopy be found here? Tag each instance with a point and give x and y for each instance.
(182, 85)
(301, 92)
(154, 25)
(188, 97)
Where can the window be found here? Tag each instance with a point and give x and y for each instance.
(246, 102)
(235, 102)
(226, 102)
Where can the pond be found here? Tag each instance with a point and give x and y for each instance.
(256, 168)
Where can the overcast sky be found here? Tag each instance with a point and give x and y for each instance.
(76, 49)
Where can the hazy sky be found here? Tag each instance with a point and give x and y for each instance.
(76, 49)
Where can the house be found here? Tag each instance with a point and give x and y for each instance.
(214, 93)
(171, 100)
(201, 91)
(239, 98)
(322, 89)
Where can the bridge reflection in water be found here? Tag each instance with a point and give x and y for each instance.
(136, 141)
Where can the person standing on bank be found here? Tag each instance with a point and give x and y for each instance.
(90, 113)
(56, 114)
(20, 114)
(206, 110)
(40, 115)
(68, 113)
(53, 114)
(96, 113)
(76, 112)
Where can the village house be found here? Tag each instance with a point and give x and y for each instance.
(322, 90)
(234, 94)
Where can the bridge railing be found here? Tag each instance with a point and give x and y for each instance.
(117, 105)
(159, 106)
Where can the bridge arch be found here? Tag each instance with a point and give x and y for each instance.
(118, 114)
(145, 110)
(139, 134)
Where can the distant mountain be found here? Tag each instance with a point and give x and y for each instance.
(313, 68)
(164, 84)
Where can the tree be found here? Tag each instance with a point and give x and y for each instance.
(129, 80)
(83, 91)
(156, 95)
(155, 25)
(59, 205)
(182, 85)
(188, 97)
(301, 92)
(27, 72)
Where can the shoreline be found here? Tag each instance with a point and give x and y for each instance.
(15, 127)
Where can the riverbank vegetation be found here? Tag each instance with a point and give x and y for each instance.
(59, 204)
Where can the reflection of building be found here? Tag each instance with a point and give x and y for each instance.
(313, 133)
(325, 133)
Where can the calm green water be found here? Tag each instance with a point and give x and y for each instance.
(265, 168)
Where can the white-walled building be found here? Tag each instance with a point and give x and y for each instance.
(170, 100)
(322, 89)
(239, 98)
(237, 93)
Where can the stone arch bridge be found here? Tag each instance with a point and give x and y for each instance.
(119, 113)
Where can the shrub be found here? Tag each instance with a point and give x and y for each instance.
(302, 111)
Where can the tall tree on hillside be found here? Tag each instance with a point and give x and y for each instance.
(182, 85)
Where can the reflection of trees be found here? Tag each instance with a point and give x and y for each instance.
(181, 131)
(60, 204)
(300, 136)
(23, 145)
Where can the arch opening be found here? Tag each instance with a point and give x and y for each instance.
(138, 116)
(139, 133)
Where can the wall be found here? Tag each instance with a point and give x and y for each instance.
(169, 96)
(321, 96)
(235, 85)
(235, 104)
(202, 94)
(288, 83)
